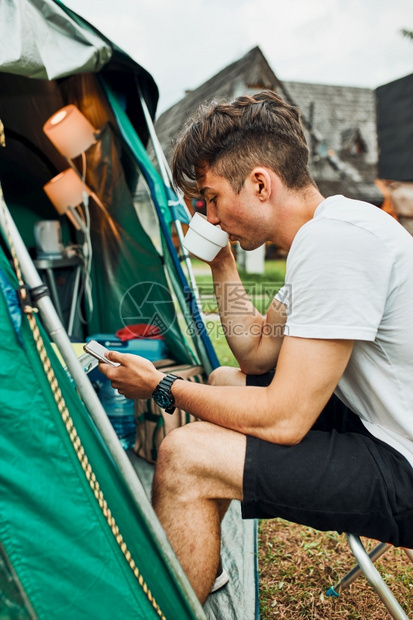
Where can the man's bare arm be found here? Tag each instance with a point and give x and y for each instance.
(308, 371)
(254, 339)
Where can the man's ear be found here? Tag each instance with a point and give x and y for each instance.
(261, 182)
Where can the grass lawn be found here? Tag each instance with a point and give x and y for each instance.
(298, 564)
(261, 289)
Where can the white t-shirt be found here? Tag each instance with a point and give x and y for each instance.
(350, 275)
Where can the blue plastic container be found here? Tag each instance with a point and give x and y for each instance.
(120, 411)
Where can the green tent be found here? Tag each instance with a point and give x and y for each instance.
(60, 557)
(60, 553)
(130, 214)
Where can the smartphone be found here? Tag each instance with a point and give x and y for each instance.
(99, 351)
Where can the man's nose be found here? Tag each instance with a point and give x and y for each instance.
(212, 215)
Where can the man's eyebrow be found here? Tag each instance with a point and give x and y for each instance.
(204, 190)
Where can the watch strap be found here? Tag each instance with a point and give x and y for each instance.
(165, 385)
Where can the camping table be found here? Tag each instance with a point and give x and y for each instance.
(46, 266)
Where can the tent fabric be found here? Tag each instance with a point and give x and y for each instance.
(124, 262)
(46, 40)
(121, 261)
(50, 522)
(183, 291)
(44, 43)
(30, 160)
(124, 258)
(141, 156)
(128, 275)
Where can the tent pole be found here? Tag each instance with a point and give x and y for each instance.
(58, 334)
(167, 179)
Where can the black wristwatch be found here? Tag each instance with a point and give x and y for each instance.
(162, 394)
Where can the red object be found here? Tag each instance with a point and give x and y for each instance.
(140, 330)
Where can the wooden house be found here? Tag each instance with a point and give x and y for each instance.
(339, 122)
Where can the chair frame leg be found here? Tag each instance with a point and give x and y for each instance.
(355, 572)
(365, 564)
(409, 553)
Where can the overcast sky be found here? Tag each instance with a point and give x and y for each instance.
(182, 43)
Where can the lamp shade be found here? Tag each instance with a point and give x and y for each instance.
(70, 131)
(65, 190)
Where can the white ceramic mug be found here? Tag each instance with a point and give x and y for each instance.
(48, 238)
(203, 239)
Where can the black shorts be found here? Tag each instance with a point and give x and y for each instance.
(339, 477)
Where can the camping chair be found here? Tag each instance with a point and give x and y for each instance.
(365, 564)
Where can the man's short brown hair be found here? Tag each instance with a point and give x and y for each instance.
(234, 137)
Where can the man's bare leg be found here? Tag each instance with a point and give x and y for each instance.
(226, 375)
(199, 470)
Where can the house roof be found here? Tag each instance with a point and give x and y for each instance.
(250, 73)
(339, 122)
(339, 113)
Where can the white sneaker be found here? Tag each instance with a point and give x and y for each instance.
(220, 581)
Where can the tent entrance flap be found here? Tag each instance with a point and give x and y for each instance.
(82, 540)
(125, 263)
(188, 302)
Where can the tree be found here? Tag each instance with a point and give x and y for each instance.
(407, 33)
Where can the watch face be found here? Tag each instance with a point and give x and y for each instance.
(162, 398)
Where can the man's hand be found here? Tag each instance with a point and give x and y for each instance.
(136, 377)
(223, 255)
